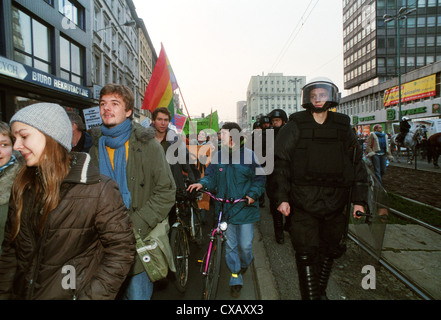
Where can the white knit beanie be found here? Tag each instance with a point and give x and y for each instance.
(49, 118)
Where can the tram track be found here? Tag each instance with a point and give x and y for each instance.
(418, 288)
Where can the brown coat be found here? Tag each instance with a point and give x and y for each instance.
(90, 231)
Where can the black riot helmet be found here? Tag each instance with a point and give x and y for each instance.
(320, 94)
(265, 119)
(278, 113)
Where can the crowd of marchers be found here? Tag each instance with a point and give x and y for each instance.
(83, 201)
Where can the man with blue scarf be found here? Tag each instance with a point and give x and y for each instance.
(378, 150)
(128, 153)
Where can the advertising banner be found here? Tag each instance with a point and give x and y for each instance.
(418, 89)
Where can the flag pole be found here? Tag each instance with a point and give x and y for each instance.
(185, 105)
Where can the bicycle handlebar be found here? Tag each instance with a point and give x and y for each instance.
(361, 214)
(231, 200)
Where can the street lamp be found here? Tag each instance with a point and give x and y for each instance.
(401, 14)
(130, 23)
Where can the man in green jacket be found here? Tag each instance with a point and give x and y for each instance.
(128, 153)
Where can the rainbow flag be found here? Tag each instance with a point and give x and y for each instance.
(159, 92)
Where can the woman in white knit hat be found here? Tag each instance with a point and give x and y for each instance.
(68, 235)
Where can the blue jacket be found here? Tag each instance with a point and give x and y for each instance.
(232, 174)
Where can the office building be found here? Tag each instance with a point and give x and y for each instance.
(273, 91)
(370, 43)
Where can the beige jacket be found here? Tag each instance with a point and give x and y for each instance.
(373, 145)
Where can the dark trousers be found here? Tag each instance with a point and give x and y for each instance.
(317, 242)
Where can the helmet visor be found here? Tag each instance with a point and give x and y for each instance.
(320, 95)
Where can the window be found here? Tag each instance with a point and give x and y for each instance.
(410, 61)
(421, 22)
(411, 22)
(410, 43)
(430, 41)
(421, 41)
(72, 10)
(31, 41)
(420, 61)
(71, 61)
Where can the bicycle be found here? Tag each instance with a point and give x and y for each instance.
(187, 225)
(212, 259)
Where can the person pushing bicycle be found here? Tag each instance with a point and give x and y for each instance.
(232, 175)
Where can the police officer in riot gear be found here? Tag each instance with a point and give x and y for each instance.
(278, 119)
(265, 122)
(318, 164)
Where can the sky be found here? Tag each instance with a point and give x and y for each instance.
(216, 46)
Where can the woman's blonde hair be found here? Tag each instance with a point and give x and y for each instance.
(44, 181)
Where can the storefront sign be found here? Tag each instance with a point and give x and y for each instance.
(418, 89)
(26, 73)
(391, 113)
(357, 119)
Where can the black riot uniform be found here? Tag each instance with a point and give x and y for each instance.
(316, 166)
(259, 130)
(279, 225)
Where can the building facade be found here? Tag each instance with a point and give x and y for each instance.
(115, 50)
(44, 45)
(65, 51)
(273, 91)
(421, 101)
(370, 44)
(147, 61)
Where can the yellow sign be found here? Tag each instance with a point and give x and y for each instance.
(418, 89)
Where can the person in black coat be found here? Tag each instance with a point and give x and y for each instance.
(278, 119)
(318, 161)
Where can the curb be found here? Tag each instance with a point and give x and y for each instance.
(263, 277)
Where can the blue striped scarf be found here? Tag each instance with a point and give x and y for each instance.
(116, 138)
(10, 163)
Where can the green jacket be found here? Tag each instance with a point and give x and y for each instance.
(149, 180)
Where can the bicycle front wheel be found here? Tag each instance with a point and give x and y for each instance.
(181, 252)
(211, 278)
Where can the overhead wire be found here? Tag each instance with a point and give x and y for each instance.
(291, 38)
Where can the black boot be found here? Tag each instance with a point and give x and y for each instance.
(278, 227)
(308, 277)
(325, 272)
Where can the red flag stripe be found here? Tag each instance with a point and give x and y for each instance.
(158, 83)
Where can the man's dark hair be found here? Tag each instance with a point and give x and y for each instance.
(231, 125)
(162, 110)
